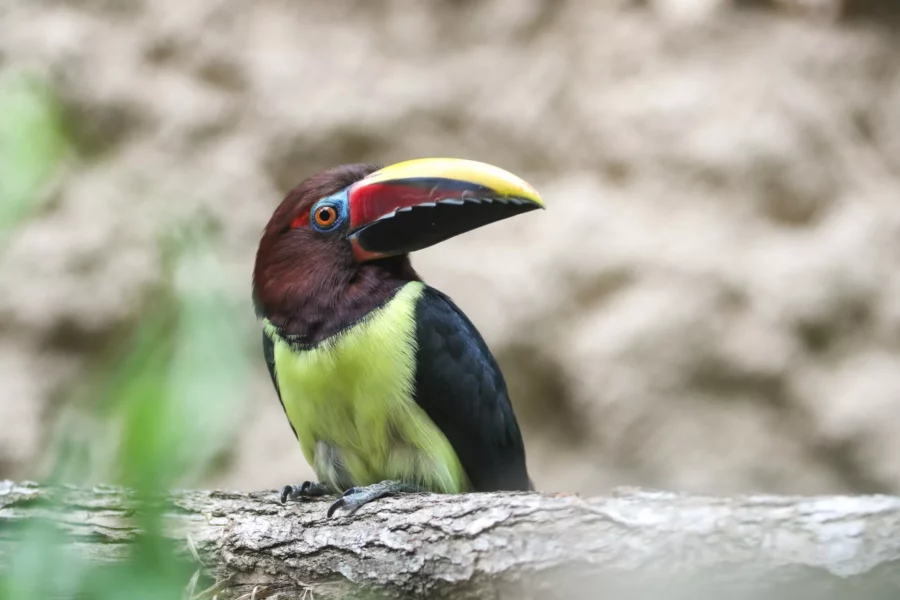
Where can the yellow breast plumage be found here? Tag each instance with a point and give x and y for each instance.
(351, 402)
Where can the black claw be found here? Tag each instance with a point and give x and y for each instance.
(336, 505)
(286, 491)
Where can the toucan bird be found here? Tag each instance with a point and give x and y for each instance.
(388, 386)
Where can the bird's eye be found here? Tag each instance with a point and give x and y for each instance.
(325, 216)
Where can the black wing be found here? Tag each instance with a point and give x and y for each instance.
(269, 353)
(460, 387)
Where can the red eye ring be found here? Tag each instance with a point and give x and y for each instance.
(301, 220)
(325, 216)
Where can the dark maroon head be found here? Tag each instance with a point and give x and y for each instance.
(306, 280)
(337, 246)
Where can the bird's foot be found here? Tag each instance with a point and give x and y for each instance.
(308, 489)
(354, 498)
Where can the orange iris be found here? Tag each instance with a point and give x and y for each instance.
(325, 216)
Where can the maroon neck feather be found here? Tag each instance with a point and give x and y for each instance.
(308, 284)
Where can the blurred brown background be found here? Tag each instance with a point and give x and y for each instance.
(711, 302)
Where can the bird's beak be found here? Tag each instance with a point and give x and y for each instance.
(415, 204)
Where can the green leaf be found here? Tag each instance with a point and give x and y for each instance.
(32, 144)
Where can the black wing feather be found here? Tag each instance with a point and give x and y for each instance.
(269, 353)
(460, 387)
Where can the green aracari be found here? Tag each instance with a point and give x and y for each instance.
(388, 386)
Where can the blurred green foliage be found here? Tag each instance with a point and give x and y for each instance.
(32, 144)
(159, 411)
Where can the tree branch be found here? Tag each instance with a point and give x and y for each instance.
(631, 544)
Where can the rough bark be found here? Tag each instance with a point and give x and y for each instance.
(631, 544)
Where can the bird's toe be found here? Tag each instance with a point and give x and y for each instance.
(356, 497)
(307, 489)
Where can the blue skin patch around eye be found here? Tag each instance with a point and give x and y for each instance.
(340, 202)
